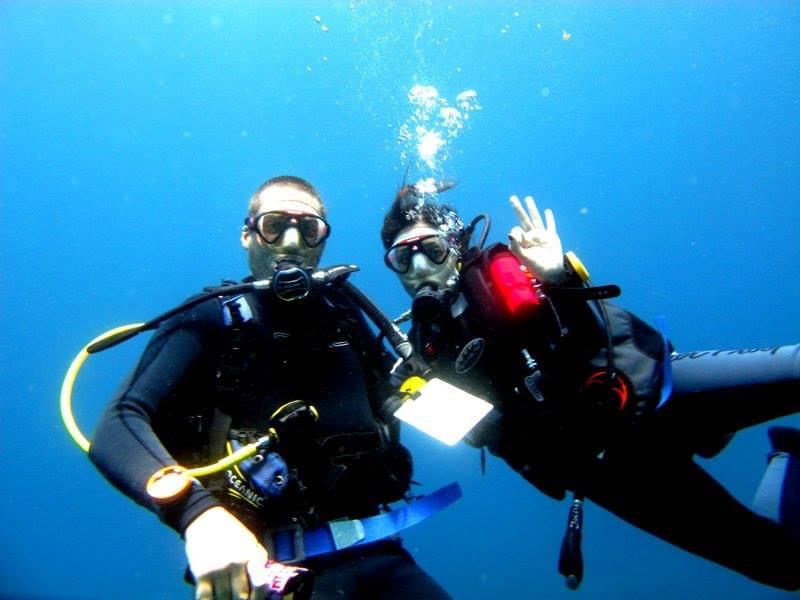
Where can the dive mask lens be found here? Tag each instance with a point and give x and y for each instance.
(271, 225)
(435, 248)
(398, 257)
(313, 229)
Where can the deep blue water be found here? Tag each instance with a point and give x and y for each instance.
(664, 135)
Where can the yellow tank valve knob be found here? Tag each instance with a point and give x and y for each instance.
(577, 265)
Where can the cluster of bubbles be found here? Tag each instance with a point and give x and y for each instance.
(426, 135)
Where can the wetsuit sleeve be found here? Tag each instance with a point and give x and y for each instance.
(128, 446)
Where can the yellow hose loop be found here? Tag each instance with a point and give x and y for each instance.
(177, 478)
(223, 463)
(69, 382)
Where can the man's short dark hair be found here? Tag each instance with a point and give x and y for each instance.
(290, 181)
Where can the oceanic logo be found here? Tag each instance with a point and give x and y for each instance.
(238, 488)
(426, 136)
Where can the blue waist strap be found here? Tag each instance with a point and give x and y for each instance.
(294, 543)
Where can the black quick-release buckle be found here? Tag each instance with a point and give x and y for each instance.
(297, 534)
(329, 537)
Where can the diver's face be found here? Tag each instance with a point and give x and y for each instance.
(424, 266)
(265, 254)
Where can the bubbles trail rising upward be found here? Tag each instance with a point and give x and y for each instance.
(426, 137)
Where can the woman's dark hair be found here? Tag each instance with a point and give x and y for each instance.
(412, 205)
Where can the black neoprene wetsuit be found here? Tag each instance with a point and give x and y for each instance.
(641, 470)
(318, 350)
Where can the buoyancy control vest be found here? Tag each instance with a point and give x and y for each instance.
(566, 367)
(571, 373)
(321, 352)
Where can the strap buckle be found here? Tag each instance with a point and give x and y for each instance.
(279, 542)
(346, 532)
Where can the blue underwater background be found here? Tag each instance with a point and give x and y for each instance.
(664, 135)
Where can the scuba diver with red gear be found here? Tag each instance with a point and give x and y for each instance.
(591, 399)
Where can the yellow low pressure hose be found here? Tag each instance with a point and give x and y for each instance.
(69, 383)
(171, 482)
(167, 483)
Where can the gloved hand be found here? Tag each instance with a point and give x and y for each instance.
(223, 556)
(536, 244)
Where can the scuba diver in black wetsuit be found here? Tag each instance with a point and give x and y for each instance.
(591, 399)
(293, 371)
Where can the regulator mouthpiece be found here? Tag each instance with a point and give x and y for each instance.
(429, 303)
(291, 283)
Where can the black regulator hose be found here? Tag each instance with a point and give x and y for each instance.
(396, 338)
(229, 290)
(487, 224)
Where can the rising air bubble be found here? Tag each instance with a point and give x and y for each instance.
(426, 135)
